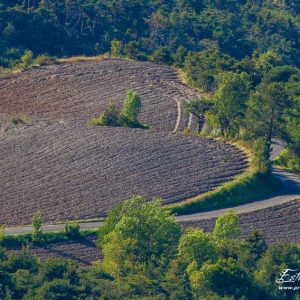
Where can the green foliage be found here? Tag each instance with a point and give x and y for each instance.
(268, 110)
(132, 106)
(147, 256)
(112, 116)
(19, 119)
(227, 226)
(27, 58)
(230, 102)
(138, 242)
(248, 188)
(37, 233)
(162, 55)
(72, 229)
(116, 48)
(288, 160)
(199, 108)
(260, 154)
(202, 68)
(196, 246)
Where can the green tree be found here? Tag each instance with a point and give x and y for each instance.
(230, 102)
(139, 243)
(162, 55)
(132, 106)
(37, 233)
(260, 153)
(116, 48)
(196, 246)
(226, 278)
(268, 110)
(199, 108)
(227, 226)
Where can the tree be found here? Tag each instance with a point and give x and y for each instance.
(260, 153)
(132, 106)
(224, 278)
(37, 233)
(268, 109)
(230, 102)
(227, 226)
(138, 243)
(256, 245)
(162, 55)
(198, 108)
(116, 48)
(196, 246)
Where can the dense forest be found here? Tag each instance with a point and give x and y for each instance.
(165, 29)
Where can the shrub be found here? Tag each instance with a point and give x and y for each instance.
(19, 119)
(27, 58)
(37, 233)
(287, 159)
(42, 60)
(116, 48)
(127, 118)
(72, 229)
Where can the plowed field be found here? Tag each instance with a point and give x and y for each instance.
(81, 90)
(71, 171)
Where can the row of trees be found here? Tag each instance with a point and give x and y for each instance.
(147, 255)
(255, 99)
(163, 30)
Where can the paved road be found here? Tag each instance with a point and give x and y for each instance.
(290, 190)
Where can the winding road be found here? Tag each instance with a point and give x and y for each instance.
(290, 191)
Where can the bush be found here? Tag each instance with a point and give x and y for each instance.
(27, 58)
(287, 159)
(72, 229)
(116, 48)
(37, 233)
(127, 118)
(110, 117)
(19, 119)
(42, 60)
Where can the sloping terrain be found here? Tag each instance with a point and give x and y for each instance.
(81, 90)
(71, 171)
(278, 224)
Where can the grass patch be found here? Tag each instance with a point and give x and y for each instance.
(248, 187)
(16, 240)
(84, 58)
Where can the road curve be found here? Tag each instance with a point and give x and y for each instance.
(290, 191)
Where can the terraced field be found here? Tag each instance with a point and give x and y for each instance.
(70, 171)
(81, 90)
